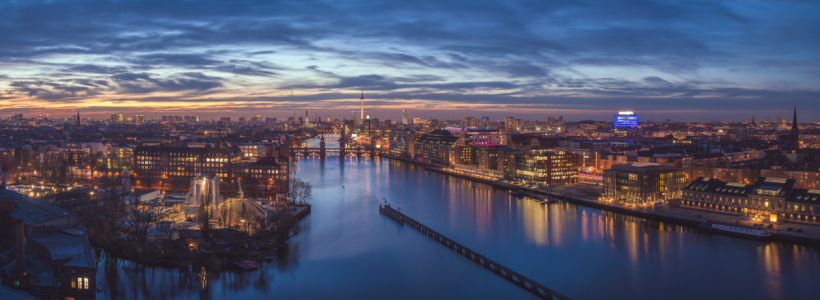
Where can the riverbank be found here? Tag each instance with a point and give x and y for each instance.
(675, 215)
(161, 253)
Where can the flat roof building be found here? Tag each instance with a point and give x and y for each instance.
(643, 182)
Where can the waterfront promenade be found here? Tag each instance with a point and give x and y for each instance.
(586, 195)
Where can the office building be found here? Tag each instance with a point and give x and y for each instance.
(641, 183)
(402, 143)
(546, 167)
(170, 168)
(626, 122)
(435, 146)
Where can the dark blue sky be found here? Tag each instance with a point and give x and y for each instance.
(683, 60)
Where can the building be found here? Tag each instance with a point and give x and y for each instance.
(487, 157)
(171, 168)
(139, 119)
(402, 143)
(404, 117)
(641, 183)
(804, 179)
(435, 146)
(546, 167)
(588, 161)
(488, 138)
(463, 155)
(625, 122)
(120, 157)
(512, 124)
(768, 197)
(116, 118)
(253, 151)
(793, 143)
(44, 250)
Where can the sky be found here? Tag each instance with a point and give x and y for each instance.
(678, 60)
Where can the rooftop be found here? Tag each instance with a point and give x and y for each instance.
(32, 211)
(646, 167)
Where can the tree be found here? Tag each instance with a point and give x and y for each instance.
(137, 224)
(62, 172)
(246, 220)
(292, 166)
(299, 190)
(4, 172)
(168, 227)
(205, 211)
(225, 213)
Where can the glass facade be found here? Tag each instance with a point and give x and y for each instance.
(642, 183)
(546, 167)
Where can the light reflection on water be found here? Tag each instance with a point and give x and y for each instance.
(347, 250)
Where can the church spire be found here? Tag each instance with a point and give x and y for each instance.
(794, 137)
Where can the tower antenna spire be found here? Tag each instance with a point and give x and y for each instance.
(362, 114)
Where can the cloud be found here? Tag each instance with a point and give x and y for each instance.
(239, 70)
(96, 69)
(564, 53)
(141, 83)
(171, 59)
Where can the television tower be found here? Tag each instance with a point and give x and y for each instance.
(362, 115)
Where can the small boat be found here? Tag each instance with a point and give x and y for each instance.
(736, 230)
(248, 265)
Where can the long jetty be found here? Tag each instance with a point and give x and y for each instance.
(512, 276)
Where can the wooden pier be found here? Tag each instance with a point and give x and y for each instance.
(512, 276)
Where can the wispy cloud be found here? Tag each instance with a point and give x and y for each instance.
(460, 57)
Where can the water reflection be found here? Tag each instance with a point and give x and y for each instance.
(346, 250)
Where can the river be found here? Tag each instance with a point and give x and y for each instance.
(346, 250)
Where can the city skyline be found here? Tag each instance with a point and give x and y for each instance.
(685, 62)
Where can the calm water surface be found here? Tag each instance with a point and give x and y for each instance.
(347, 250)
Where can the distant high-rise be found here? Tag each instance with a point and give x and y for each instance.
(625, 120)
(78, 118)
(139, 119)
(470, 122)
(404, 116)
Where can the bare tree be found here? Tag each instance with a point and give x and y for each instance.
(299, 190)
(305, 192)
(137, 224)
(205, 211)
(168, 226)
(292, 168)
(246, 219)
(225, 213)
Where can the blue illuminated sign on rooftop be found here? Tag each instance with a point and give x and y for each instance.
(626, 121)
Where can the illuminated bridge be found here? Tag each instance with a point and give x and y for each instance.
(323, 152)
